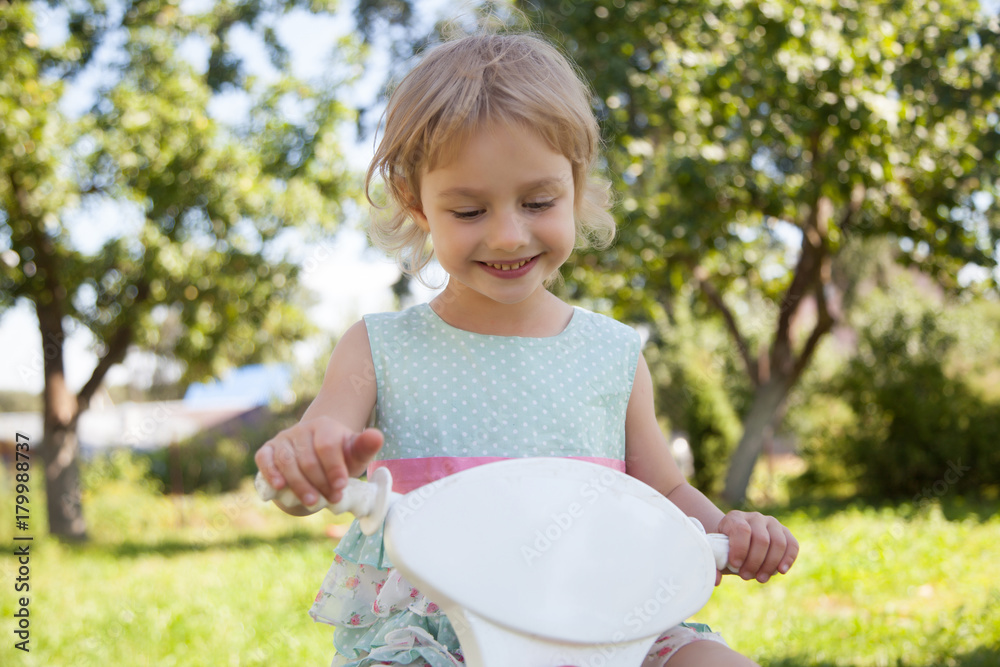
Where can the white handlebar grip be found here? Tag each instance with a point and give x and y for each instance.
(368, 501)
(720, 550)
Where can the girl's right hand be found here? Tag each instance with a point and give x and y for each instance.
(316, 457)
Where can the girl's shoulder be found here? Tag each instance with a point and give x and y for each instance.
(411, 313)
(587, 322)
(394, 331)
(396, 322)
(601, 342)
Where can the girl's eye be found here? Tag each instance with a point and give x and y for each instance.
(540, 205)
(467, 215)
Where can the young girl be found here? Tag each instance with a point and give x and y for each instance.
(487, 159)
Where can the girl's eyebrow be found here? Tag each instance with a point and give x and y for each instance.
(540, 184)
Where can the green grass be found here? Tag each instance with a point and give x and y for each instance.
(231, 584)
(874, 587)
(227, 587)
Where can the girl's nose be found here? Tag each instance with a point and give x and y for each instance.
(507, 231)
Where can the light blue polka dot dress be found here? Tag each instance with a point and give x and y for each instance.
(449, 399)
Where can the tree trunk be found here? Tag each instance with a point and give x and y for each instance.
(60, 445)
(62, 473)
(759, 423)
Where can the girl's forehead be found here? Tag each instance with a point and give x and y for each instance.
(473, 142)
(505, 151)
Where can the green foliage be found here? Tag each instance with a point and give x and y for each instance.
(203, 464)
(908, 415)
(725, 118)
(194, 266)
(193, 270)
(118, 488)
(822, 422)
(920, 431)
(694, 379)
(751, 141)
(215, 461)
(118, 467)
(711, 424)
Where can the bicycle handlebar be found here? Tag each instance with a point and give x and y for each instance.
(368, 501)
(720, 550)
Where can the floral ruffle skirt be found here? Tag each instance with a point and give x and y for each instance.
(381, 619)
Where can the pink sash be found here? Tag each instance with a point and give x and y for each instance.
(409, 474)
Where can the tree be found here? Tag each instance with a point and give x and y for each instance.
(208, 201)
(732, 123)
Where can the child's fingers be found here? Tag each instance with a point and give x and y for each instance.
(777, 544)
(286, 461)
(360, 449)
(760, 540)
(306, 456)
(737, 529)
(759, 545)
(264, 458)
(329, 441)
(340, 454)
(791, 552)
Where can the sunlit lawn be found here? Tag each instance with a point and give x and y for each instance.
(875, 587)
(232, 584)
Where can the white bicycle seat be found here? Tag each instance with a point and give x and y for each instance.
(555, 554)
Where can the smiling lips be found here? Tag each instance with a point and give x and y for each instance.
(510, 269)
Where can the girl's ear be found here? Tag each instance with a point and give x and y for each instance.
(413, 206)
(417, 213)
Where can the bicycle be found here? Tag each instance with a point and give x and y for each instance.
(498, 548)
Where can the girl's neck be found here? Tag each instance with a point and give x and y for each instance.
(540, 316)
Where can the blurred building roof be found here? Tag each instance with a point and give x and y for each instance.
(250, 386)
(239, 396)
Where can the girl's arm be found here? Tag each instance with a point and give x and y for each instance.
(330, 443)
(758, 545)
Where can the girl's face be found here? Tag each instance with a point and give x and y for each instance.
(500, 214)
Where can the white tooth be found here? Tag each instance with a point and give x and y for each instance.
(505, 267)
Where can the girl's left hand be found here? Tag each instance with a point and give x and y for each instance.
(759, 545)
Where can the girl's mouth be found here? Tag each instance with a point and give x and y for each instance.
(510, 269)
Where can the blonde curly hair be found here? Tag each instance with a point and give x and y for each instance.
(460, 87)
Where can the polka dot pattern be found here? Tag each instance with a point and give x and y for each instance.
(444, 391)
